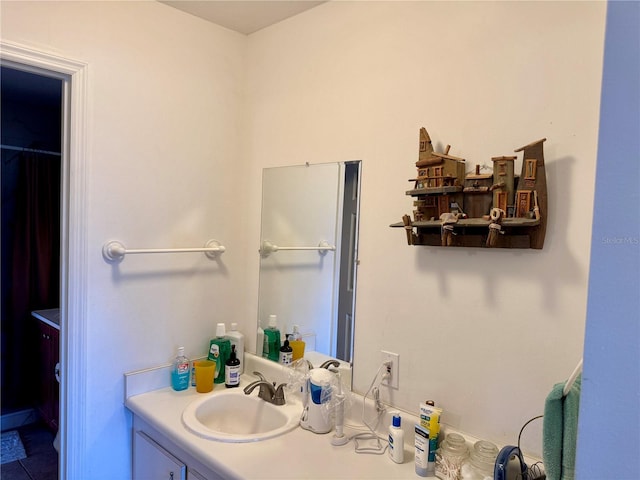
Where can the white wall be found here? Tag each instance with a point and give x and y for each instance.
(485, 334)
(165, 106)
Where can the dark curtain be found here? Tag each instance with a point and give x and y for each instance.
(33, 268)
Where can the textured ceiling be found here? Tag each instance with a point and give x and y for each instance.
(243, 16)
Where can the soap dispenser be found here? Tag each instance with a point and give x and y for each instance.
(219, 352)
(272, 340)
(180, 371)
(232, 370)
(286, 353)
(296, 343)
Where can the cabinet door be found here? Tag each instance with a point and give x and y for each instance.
(152, 462)
(54, 385)
(49, 401)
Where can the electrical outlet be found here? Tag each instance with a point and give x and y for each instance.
(394, 371)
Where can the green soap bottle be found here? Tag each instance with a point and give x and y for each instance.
(220, 351)
(272, 344)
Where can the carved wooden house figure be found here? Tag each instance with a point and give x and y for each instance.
(439, 174)
(477, 193)
(477, 210)
(503, 182)
(532, 185)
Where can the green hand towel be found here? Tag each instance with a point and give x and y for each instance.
(560, 431)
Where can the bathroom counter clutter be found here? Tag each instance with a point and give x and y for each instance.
(296, 454)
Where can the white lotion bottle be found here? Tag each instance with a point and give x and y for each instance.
(396, 439)
(259, 342)
(237, 338)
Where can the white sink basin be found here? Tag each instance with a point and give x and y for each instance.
(232, 416)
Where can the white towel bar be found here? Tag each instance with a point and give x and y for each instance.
(267, 248)
(114, 251)
(572, 379)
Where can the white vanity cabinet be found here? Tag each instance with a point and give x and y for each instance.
(151, 461)
(156, 457)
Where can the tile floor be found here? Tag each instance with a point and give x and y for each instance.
(42, 459)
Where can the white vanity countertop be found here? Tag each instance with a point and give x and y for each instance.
(50, 316)
(297, 454)
(293, 455)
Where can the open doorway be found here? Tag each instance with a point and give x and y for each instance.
(73, 243)
(348, 261)
(31, 160)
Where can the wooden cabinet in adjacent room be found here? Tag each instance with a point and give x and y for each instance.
(48, 401)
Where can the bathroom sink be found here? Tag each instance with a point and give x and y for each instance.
(232, 416)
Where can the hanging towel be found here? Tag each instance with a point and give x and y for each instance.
(560, 431)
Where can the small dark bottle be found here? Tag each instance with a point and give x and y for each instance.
(232, 370)
(286, 353)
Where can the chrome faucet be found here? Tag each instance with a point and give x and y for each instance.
(268, 392)
(329, 363)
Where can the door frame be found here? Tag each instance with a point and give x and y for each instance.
(74, 238)
(346, 275)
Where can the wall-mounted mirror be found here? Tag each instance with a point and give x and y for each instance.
(308, 253)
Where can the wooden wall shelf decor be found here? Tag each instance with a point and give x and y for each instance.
(492, 210)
